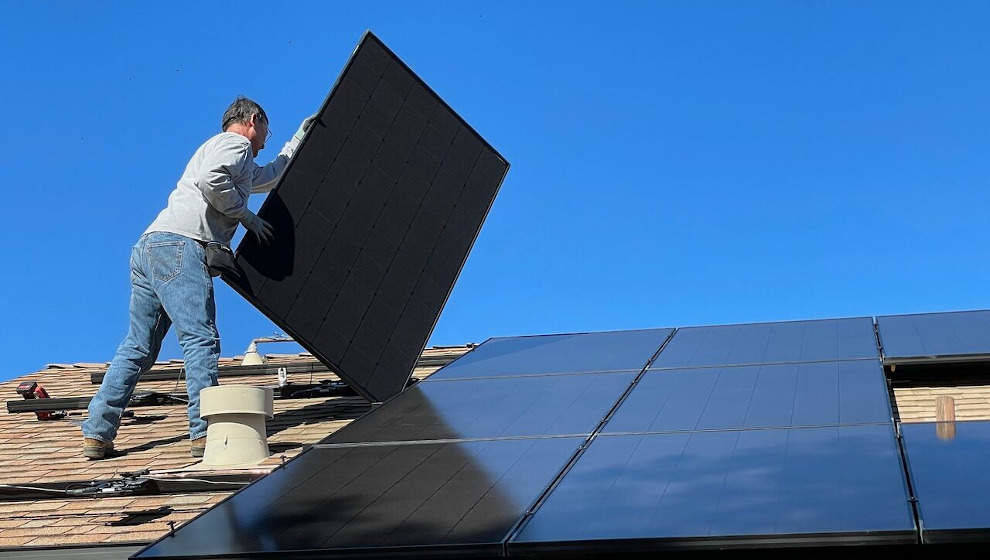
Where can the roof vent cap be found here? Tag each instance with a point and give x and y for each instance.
(252, 357)
(236, 414)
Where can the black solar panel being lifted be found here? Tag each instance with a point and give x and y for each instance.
(373, 219)
(927, 337)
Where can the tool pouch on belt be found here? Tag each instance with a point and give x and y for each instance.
(220, 260)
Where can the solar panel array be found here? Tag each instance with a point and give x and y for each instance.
(373, 219)
(597, 443)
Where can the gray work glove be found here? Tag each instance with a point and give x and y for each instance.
(260, 228)
(307, 122)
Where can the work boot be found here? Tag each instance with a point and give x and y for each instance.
(197, 447)
(96, 449)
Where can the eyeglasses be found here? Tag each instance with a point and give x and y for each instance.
(268, 135)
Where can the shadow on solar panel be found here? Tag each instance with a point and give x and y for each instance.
(374, 218)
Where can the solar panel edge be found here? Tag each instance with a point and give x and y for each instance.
(784, 322)
(924, 313)
(422, 82)
(540, 335)
(760, 544)
(937, 359)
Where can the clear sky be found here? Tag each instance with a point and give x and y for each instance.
(673, 163)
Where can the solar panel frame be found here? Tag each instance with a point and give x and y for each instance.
(941, 337)
(369, 332)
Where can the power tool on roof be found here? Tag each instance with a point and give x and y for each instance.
(32, 390)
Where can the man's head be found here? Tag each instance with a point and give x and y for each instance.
(247, 118)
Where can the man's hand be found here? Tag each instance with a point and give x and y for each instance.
(260, 228)
(307, 122)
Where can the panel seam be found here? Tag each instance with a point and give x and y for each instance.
(579, 452)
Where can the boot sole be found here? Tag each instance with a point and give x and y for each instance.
(94, 452)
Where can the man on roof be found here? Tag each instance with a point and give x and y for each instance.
(170, 280)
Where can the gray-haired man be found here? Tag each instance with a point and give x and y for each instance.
(170, 281)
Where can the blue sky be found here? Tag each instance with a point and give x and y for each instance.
(673, 163)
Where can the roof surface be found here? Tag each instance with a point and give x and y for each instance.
(35, 452)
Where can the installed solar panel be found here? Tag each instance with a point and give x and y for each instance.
(485, 408)
(373, 219)
(951, 479)
(719, 489)
(782, 395)
(418, 499)
(764, 343)
(935, 336)
(558, 353)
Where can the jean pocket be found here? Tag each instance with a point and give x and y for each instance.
(165, 259)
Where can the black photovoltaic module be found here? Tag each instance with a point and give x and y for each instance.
(374, 218)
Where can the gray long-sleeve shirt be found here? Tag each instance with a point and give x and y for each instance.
(211, 196)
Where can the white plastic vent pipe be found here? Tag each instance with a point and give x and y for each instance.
(236, 415)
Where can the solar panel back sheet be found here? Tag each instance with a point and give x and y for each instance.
(374, 218)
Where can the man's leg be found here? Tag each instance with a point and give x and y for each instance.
(138, 351)
(188, 300)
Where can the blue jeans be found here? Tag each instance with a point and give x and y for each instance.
(170, 284)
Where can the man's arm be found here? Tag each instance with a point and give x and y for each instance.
(227, 162)
(266, 177)
(218, 172)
